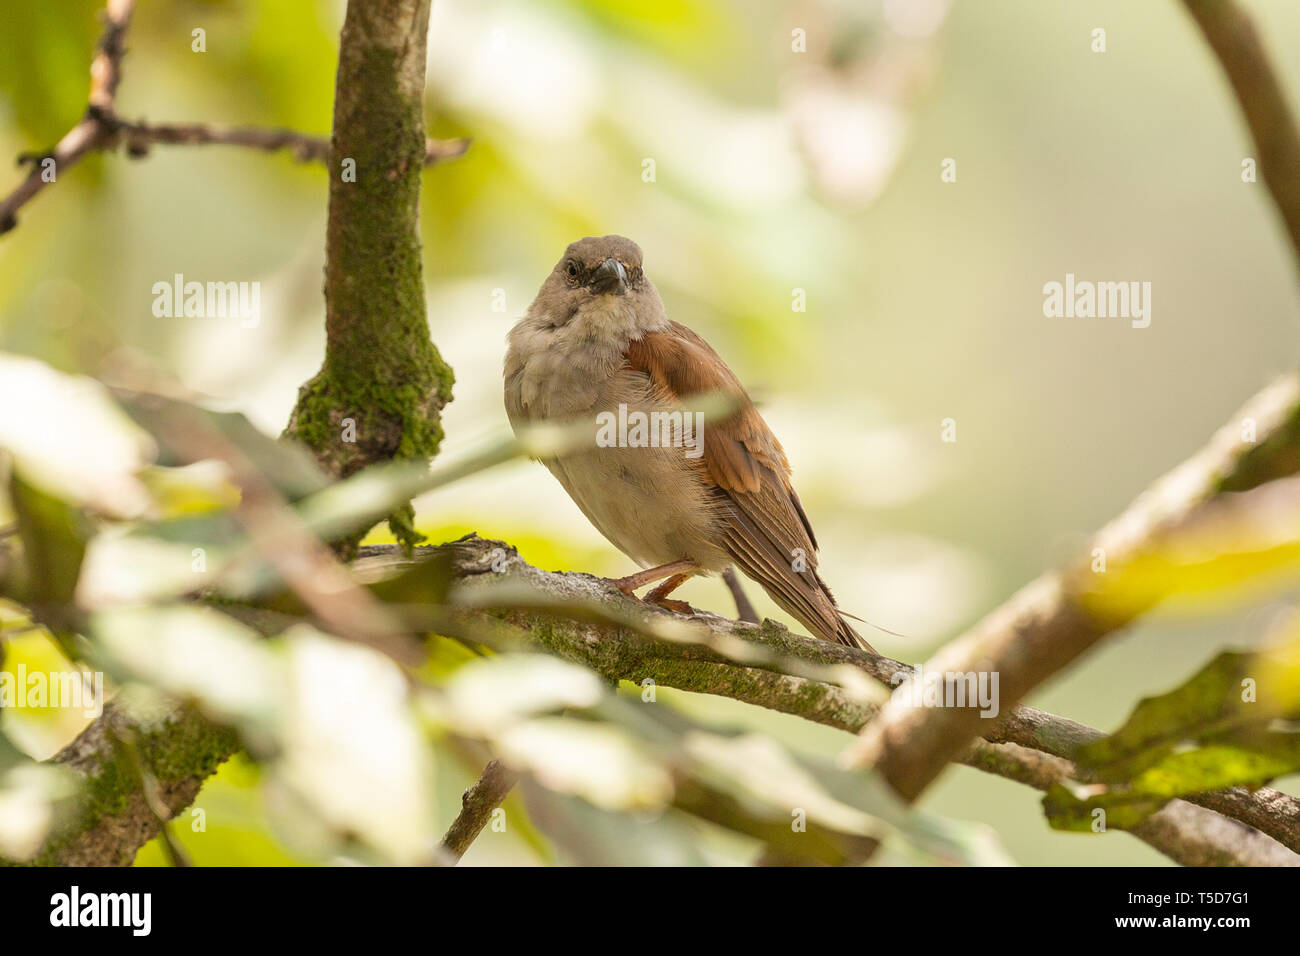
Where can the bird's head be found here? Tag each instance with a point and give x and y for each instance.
(599, 278)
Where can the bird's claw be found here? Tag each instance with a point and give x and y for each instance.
(672, 604)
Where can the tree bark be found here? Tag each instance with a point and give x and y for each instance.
(380, 393)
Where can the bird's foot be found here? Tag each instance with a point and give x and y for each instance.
(659, 596)
(677, 570)
(671, 576)
(671, 604)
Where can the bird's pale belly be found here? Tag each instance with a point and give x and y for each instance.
(646, 501)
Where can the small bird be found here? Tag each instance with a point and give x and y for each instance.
(597, 341)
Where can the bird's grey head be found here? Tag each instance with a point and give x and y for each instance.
(599, 278)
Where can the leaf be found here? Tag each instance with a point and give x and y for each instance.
(1226, 726)
(1210, 700)
(590, 836)
(54, 544)
(45, 52)
(71, 440)
(489, 695)
(285, 464)
(1235, 547)
(200, 654)
(30, 793)
(600, 763)
(353, 755)
(192, 490)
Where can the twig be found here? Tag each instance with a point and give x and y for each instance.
(138, 137)
(744, 608)
(1232, 36)
(617, 653)
(101, 129)
(477, 805)
(89, 133)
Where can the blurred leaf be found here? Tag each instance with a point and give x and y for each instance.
(54, 544)
(190, 491)
(1234, 547)
(626, 757)
(593, 837)
(45, 53)
(600, 763)
(29, 795)
(200, 654)
(489, 695)
(133, 568)
(354, 755)
(286, 464)
(71, 440)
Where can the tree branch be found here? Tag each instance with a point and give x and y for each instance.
(1051, 621)
(88, 134)
(101, 129)
(139, 136)
(477, 804)
(380, 392)
(1233, 38)
(1027, 745)
(112, 816)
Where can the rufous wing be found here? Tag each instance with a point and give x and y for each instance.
(764, 526)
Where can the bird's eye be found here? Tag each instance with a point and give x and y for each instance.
(571, 269)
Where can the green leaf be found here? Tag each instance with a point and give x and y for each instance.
(54, 539)
(1230, 724)
(1235, 548)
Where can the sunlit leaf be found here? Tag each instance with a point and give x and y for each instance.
(353, 754)
(1230, 724)
(286, 464)
(488, 695)
(589, 836)
(197, 653)
(1235, 548)
(71, 440)
(29, 795)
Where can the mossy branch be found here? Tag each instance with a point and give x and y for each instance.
(380, 392)
(110, 818)
(1026, 745)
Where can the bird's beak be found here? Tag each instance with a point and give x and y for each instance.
(610, 277)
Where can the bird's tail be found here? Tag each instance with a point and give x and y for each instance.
(809, 601)
(802, 594)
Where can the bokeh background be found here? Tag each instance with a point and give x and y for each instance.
(774, 170)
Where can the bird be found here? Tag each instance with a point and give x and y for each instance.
(595, 344)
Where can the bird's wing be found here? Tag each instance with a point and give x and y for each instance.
(765, 528)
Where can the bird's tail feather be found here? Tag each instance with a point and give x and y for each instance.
(802, 595)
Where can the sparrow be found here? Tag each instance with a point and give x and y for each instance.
(597, 341)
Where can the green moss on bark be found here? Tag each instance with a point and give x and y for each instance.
(380, 392)
(107, 821)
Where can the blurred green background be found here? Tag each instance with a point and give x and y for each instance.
(774, 171)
